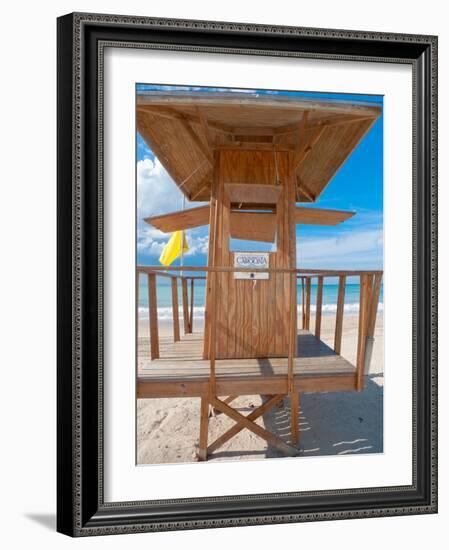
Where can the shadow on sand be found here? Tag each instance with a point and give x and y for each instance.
(332, 423)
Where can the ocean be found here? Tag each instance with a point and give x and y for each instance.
(330, 294)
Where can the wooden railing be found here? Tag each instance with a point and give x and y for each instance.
(370, 283)
(187, 305)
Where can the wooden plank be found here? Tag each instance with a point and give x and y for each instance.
(320, 216)
(243, 386)
(185, 306)
(269, 437)
(253, 226)
(152, 314)
(248, 193)
(204, 429)
(319, 306)
(309, 272)
(339, 313)
(175, 309)
(237, 428)
(185, 219)
(229, 103)
(294, 417)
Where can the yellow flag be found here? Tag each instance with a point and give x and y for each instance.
(173, 248)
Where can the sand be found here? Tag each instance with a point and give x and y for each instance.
(335, 423)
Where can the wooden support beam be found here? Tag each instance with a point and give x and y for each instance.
(308, 290)
(294, 417)
(319, 306)
(371, 322)
(374, 304)
(172, 114)
(253, 146)
(205, 129)
(185, 306)
(152, 314)
(237, 428)
(269, 437)
(339, 313)
(175, 308)
(204, 429)
(192, 302)
(304, 152)
(292, 332)
(304, 190)
(301, 129)
(365, 298)
(197, 140)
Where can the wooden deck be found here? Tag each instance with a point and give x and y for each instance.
(181, 372)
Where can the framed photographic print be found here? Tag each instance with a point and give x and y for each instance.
(246, 259)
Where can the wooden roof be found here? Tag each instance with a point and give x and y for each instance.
(183, 130)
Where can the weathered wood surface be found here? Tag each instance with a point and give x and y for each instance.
(248, 311)
(253, 226)
(184, 131)
(181, 371)
(248, 193)
(320, 216)
(184, 219)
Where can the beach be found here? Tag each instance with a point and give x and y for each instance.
(336, 423)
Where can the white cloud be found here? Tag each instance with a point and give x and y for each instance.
(355, 249)
(157, 193)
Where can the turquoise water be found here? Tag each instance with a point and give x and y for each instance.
(330, 294)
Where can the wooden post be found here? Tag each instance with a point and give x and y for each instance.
(303, 308)
(204, 429)
(339, 314)
(294, 412)
(319, 305)
(192, 281)
(213, 336)
(185, 306)
(308, 289)
(292, 334)
(175, 308)
(152, 314)
(365, 298)
(372, 313)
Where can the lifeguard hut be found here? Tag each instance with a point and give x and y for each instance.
(251, 160)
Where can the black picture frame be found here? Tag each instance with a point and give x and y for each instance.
(81, 509)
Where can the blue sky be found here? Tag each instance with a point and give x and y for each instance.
(357, 186)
